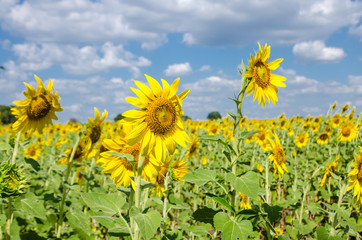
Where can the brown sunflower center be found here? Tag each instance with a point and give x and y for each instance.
(32, 151)
(261, 74)
(323, 136)
(193, 148)
(39, 107)
(301, 139)
(161, 116)
(346, 131)
(279, 155)
(95, 133)
(261, 136)
(359, 174)
(161, 176)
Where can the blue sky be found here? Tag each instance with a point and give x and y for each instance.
(93, 50)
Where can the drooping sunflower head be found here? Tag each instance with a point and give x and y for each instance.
(277, 156)
(332, 167)
(38, 110)
(263, 83)
(158, 122)
(193, 147)
(344, 108)
(334, 106)
(94, 126)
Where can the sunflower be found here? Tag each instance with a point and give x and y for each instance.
(38, 110)
(244, 203)
(157, 124)
(203, 160)
(179, 169)
(301, 140)
(277, 156)
(347, 132)
(332, 167)
(336, 120)
(334, 106)
(262, 82)
(323, 138)
(120, 168)
(355, 180)
(94, 126)
(193, 147)
(33, 151)
(344, 108)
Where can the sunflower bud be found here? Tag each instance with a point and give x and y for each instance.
(12, 181)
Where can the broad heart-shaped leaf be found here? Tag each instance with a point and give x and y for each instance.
(80, 222)
(35, 165)
(221, 201)
(148, 223)
(232, 229)
(114, 224)
(205, 215)
(322, 234)
(109, 204)
(33, 207)
(200, 176)
(274, 212)
(247, 184)
(245, 135)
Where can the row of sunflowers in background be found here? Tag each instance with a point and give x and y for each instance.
(153, 176)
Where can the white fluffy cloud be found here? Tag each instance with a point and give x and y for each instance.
(77, 60)
(149, 22)
(317, 52)
(179, 69)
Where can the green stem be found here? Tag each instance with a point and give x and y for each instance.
(340, 199)
(267, 187)
(9, 219)
(16, 147)
(165, 200)
(64, 194)
(138, 191)
(305, 191)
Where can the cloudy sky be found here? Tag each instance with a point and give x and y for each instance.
(93, 50)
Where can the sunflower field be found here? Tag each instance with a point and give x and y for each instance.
(152, 175)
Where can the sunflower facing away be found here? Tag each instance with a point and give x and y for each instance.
(263, 83)
(277, 156)
(332, 167)
(38, 109)
(355, 181)
(157, 124)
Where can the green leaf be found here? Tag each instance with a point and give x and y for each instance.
(33, 207)
(245, 135)
(221, 201)
(129, 157)
(247, 184)
(232, 229)
(205, 215)
(274, 212)
(114, 224)
(5, 146)
(109, 204)
(35, 165)
(148, 223)
(233, 115)
(200, 176)
(79, 221)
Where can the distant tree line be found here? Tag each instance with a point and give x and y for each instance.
(5, 114)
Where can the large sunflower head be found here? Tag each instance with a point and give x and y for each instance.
(157, 123)
(38, 110)
(355, 180)
(263, 83)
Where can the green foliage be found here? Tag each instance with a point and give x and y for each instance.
(213, 115)
(118, 117)
(5, 114)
